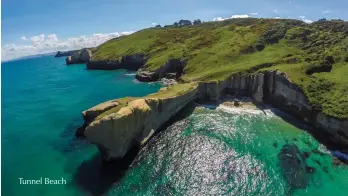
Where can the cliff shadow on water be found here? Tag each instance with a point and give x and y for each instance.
(320, 136)
(97, 177)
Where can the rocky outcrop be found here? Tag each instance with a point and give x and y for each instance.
(172, 69)
(82, 56)
(130, 62)
(90, 114)
(133, 124)
(66, 53)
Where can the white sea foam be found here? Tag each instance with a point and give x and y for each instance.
(240, 110)
(136, 81)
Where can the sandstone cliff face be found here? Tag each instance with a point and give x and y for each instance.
(286, 95)
(131, 62)
(82, 56)
(249, 85)
(277, 89)
(90, 114)
(116, 133)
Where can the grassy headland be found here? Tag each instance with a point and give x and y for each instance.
(163, 93)
(315, 56)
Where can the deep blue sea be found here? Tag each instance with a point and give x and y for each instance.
(204, 152)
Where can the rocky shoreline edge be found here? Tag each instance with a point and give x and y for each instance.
(269, 87)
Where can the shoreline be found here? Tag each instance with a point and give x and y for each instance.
(247, 91)
(234, 104)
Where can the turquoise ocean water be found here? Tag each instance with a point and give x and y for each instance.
(208, 152)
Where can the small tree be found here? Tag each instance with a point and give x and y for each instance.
(197, 22)
(185, 23)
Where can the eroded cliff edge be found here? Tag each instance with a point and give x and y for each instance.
(133, 120)
(117, 125)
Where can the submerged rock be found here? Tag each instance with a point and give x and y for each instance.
(293, 166)
(339, 157)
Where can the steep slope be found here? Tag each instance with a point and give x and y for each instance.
(297, 67)
(315, 56)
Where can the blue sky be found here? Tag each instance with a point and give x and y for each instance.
(39, 26)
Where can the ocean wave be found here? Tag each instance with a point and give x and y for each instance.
(241, 110)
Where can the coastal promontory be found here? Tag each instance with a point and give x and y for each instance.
(297, 67)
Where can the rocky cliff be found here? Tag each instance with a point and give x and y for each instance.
(81, 56)
(136, 119)
(116, 129)
(66, 53)
(92, 113)
(130, 62)
(172, 69)
(276, 88)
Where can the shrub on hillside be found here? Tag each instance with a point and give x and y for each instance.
(318, 67)
(301, 33)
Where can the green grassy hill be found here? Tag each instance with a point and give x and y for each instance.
(315, 56)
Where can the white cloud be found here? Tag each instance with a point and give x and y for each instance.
(38, 39)
(52, 37)
(275, 11)
(277, 17)
(44, 44)
(219, 19)
(241, 16)
(233, 16)
(153, 24)
(304, 19)
(308, 21)
(326, 12)
(255, 13)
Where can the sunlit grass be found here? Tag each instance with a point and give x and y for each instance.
(216, 50)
